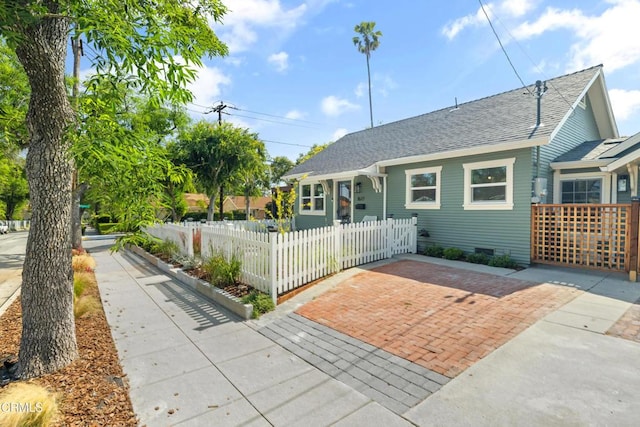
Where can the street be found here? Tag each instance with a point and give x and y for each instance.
(12, 252)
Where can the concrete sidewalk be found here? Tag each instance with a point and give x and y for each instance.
(189, 362)
(192, 363)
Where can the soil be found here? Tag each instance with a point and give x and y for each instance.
(92, 390)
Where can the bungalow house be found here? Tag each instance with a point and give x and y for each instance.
(471, 172)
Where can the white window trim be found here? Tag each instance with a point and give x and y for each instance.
(484, 205)
(409, 204)
(312, 212)
(605, 192)
(336, 197)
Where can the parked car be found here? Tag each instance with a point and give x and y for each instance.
(4, 227)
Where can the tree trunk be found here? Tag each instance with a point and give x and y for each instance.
(247, 206)
(212, 206)
(221, 203)
(76, 219)
(48, 327)
(369, 78)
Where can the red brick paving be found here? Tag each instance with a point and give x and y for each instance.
(442, 318)
(628, 326)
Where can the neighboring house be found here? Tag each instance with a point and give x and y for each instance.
(257, 205)
(196, 202)
(469, 172)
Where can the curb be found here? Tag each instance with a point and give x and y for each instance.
(205, 289)
(10, 301)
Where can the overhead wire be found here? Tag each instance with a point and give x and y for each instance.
(271, 121)
(502, 47)
(550, 82)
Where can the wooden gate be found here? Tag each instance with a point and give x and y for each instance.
(579, 235)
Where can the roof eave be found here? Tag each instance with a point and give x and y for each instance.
(579, 164)
(511, 145)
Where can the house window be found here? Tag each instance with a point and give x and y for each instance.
(488, 185)
(312, 199)
(582, 191)
(423, 188)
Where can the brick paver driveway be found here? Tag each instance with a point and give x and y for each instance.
(442, 318)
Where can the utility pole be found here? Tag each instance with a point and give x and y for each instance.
(218, 109)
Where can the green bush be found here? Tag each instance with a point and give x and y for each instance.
(167, 249)
(503, 261)
(106, 227)
(453, 253)
(222, 272)
(434, 251)
(262, 303)
(478, 258)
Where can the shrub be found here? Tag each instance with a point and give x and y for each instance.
(41, 404)
(167, 249)
(434, 251)
(82, 263)
(107, 227)
(262, 303)
(453, 253)
(478, 258)
(222, 272)
(503, 261)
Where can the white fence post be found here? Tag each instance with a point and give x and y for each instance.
(390, 237)
(273, 266)
(337, 246)
(414, 234)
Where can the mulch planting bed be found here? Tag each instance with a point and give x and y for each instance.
(92, 390)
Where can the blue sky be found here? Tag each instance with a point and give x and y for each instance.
(295, 59)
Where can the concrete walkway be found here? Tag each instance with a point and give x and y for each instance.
(192, 363)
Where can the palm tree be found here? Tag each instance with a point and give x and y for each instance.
(366, 43)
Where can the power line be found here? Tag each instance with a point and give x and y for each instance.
(271, 121)
(286, 143)
(502, 47)
(277, 117)
(534, 63)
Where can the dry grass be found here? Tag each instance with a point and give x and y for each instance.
(85, 305)
(27, 404)
(83, 263)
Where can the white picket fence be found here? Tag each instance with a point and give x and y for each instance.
(276, 263)
(262, 225)
(182, 236)
(17, 225)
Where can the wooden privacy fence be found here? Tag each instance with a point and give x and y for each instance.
(592, 235)
(276, 263)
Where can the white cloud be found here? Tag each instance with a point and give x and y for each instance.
(624, 102)
(384, 84)
(234, 60)
(334, 106)
(206, 88)
(295, 115)
(603, 39)
(339, 133)
(280, 60)
(504, 9)
(360, 89)
(245, 17)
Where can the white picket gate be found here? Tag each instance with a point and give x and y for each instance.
(277, 263)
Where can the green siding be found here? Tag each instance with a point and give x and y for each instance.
(580, 127)
(304, 222)
(507, 232)
(373, 201)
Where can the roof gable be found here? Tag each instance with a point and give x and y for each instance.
(488, 122)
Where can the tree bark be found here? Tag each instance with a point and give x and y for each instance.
(48, 326)
(369, 79)
(212, 206)
(221, 203)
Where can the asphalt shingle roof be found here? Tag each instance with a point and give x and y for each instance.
(505, 117)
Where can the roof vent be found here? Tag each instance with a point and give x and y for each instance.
(456, 107)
